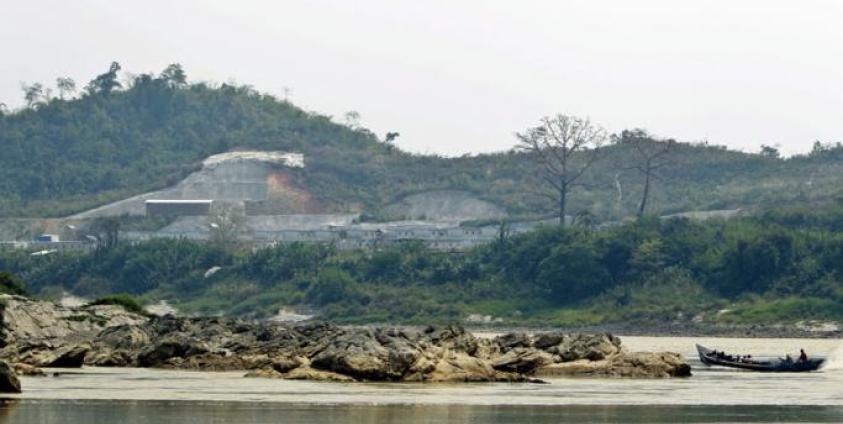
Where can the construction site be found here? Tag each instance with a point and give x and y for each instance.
(247, 197)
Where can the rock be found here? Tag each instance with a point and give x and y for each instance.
(461, 367)
(513, 340)
(522, 360)
(545, 341)
(28, 370)
(307, 373)
(174, 346)
(27, 320)
(362, 355)
(125, 337)
(285, 363)
(453, 337)
(111, 358)
(593, 347)
(264, 373)
(9, 382)
(634, 365)
(647, 364)
(72, 357)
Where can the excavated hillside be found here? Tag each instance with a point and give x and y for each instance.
(250, 178)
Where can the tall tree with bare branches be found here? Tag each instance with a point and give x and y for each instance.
(66, 86)
(648, 155)
(564, 148)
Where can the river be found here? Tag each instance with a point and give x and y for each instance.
(715, 395)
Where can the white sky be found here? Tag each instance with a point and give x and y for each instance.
(463, 76)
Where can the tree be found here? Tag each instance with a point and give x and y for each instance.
(769, 152)
(33, 94)
(391, 136)
(11, 284)
(352, 119)
(107, 82)
(106, 231)
(563, 148)
(649, 156)
(174, 75)
(66, 86)
(227, 223)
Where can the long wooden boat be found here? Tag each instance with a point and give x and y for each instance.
(708, 357)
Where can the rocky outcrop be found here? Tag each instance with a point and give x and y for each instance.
(45, 335)
(51, 335)
(323, 351)
(25, 320)
(9, 382)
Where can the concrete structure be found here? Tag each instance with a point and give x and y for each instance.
(47, 238)
(231, 177)
(177, 207)
(48, 247)
(709, 214)
(341, 231)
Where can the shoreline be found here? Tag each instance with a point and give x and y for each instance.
(753, 331)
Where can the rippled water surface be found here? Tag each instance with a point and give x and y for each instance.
(711, 395)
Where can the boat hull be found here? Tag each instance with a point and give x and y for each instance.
(778, 365)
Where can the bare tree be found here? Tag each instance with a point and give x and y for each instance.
(106, 231)
(66, 86)
(649, 155)
(33, 94)
(227, 223)
(564, 148)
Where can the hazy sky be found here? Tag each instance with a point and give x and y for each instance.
(463, 76)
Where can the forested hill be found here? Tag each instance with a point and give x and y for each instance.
(67, 153)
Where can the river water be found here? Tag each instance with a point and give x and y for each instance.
(712, 395)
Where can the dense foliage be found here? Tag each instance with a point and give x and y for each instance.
(63, 154)
(785, 265)
(10, 284)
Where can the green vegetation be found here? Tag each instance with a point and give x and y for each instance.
(785, 265)
(10, 284)
(64, 155)
(128, 302)
(782, 264)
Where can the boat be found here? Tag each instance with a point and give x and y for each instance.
(708, 357)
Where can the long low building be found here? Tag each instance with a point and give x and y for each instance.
(163, 207)
(339, 230)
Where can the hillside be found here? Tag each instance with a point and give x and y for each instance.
(62, 157)
(782, 267)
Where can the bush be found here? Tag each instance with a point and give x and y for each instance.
(10, 284)
(128, 303)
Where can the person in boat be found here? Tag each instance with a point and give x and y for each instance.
(788, 358)
(803, 357)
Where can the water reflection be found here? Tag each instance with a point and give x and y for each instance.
(132, 412)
